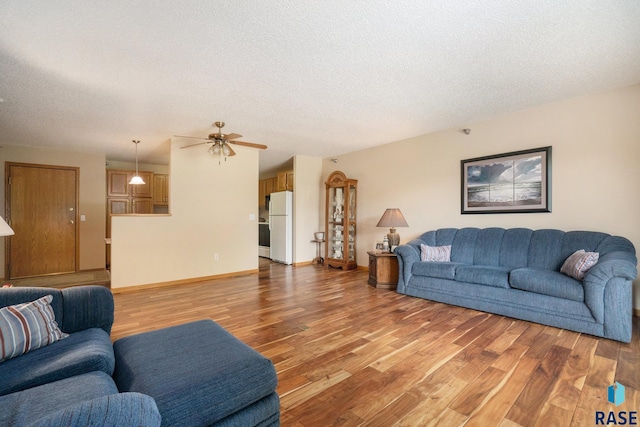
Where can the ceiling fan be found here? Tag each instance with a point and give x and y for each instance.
(221, 142)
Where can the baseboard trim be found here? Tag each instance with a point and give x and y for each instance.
(135, 288)
(303, 263)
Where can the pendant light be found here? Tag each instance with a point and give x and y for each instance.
(137, 179)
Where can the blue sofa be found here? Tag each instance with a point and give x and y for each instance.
(516, 273)
(80, 380)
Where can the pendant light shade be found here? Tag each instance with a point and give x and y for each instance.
(137, 179)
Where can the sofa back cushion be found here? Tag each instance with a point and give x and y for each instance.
(514, 252)
(545, 249)
(488, 244)
(464, 245)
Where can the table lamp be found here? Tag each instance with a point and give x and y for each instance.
(5, 230)
(392, 218)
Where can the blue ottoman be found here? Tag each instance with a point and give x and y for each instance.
(199, 375)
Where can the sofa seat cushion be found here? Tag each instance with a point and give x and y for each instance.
(24, 407)
(547, 282)
(483, 275)
(85, 351)
(440, 270)
(198, 373)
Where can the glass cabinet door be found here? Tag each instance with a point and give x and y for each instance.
(340, 221)
(335, 233)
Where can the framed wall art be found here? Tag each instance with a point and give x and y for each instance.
(514, 182)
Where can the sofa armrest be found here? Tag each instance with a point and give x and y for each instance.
(608, 291)
(87, 307)
(407, 256)
(122, 409)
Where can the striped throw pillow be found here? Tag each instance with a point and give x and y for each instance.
(578, 263)
(435, 253)
(28, 326)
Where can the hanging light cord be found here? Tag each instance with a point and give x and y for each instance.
(136, 142)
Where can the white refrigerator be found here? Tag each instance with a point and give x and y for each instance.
(281, 226)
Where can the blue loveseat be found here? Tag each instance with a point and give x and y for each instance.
(196, 374)
(516, 273)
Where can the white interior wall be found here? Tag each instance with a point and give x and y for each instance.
(306, 206)
(596, 147)
(213, 213)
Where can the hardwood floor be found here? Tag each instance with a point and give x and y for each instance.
(349, 354)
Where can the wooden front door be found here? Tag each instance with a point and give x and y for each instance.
(42, 207)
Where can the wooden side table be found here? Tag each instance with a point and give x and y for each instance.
(383, 270)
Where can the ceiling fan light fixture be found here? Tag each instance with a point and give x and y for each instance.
(137, 179)
(226, 150)
(214, 150)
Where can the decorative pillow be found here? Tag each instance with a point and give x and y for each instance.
(28, 326)
(435, 253)
(578, 263)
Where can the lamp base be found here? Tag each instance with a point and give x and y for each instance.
(393, 237)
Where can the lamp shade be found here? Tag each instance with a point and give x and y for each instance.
(5, 230)
(392, 218)
(136, 180)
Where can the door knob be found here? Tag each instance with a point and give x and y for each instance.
(72, 222)
(70, 209)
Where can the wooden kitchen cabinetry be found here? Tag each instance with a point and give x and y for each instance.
(160, 189)
(118, 184)
(285, 181)
(265, 188)
(123, 198)
(340, 221)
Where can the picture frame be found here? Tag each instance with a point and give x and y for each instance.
(515, 182)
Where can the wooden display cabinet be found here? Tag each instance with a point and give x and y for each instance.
(340, 221)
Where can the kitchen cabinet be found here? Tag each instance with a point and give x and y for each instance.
(272, 185)
(285, 181)
(265, 188)
(123, 198)
(118, 184)
(262, 193)
(160, 189)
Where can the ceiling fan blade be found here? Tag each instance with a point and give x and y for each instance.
(249, 144)
(191, 137)
(231, 152)
(232, 136)
(197, 143)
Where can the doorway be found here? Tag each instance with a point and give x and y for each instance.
(42, 208)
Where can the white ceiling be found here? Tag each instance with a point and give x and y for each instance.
(318, 78)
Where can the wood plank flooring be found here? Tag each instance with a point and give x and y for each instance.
(349, 354)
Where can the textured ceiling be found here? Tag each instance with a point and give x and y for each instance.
(318, 78)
